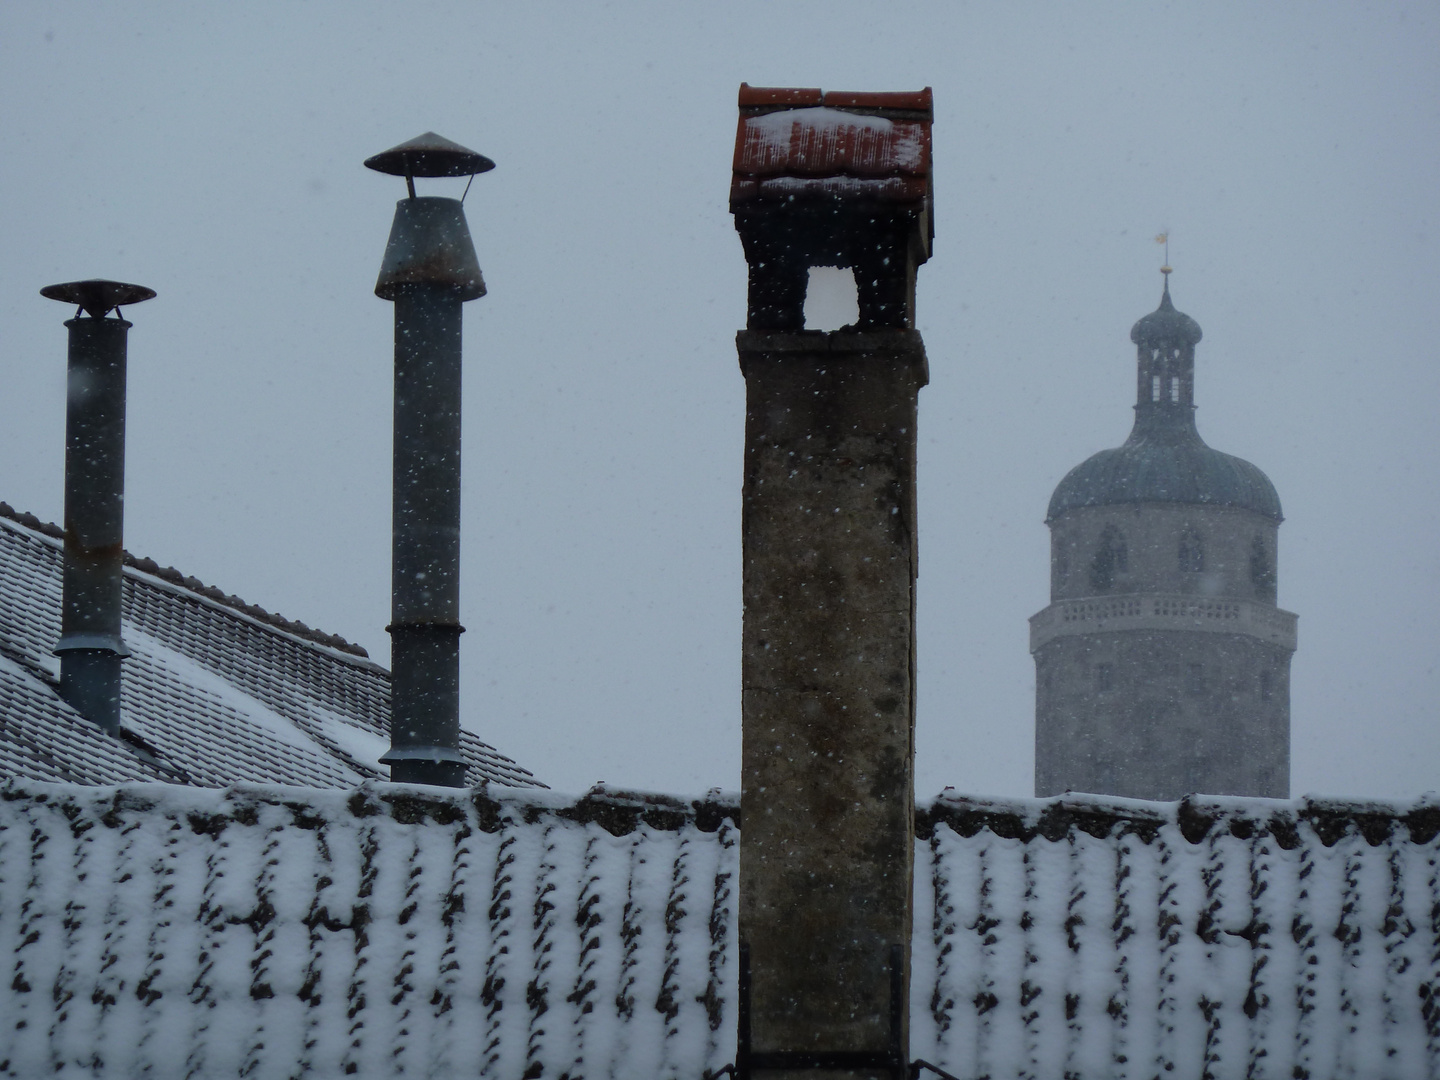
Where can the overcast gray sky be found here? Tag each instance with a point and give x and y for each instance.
(213, 152)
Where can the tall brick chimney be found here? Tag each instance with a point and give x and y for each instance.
(828, 662)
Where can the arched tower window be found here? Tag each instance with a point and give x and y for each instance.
(1191, 552)
(1262, 569)
(1111, 558)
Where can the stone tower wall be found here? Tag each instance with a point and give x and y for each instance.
(1159, 714)
(1162, 664)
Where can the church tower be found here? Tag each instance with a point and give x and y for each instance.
(1163, 663)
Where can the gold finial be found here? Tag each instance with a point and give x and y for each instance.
(1164, 238)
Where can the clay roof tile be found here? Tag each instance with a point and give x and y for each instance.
(838, 144)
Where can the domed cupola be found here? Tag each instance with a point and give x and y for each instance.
(1164, 460)
(1166, 326)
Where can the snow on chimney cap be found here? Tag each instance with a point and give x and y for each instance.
(807, 143)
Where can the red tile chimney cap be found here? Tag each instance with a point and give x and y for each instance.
(794, 143)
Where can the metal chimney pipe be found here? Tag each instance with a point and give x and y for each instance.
(90, 647)
(429, 271)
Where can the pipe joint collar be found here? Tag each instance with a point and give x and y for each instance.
(422, 753)
(89, 642)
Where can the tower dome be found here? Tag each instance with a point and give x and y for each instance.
(1164, 460)
(1148, 470)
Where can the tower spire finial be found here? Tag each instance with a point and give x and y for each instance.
(1164, 238)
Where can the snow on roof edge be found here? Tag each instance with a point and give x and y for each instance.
(1196, 816)
(621, 812)
(139, 567)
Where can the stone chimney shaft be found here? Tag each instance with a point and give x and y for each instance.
(828, 662)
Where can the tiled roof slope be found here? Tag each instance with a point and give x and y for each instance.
(216, 692)
(393, 931)
(793, 143)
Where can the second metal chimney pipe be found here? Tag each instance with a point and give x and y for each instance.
(429, 271)
(425, 541)
(90, 647)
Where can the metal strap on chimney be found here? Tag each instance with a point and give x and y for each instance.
(892, 1058)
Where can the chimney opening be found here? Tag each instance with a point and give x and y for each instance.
(832, 299)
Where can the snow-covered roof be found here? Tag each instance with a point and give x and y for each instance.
(389, 930)
(216, 691)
